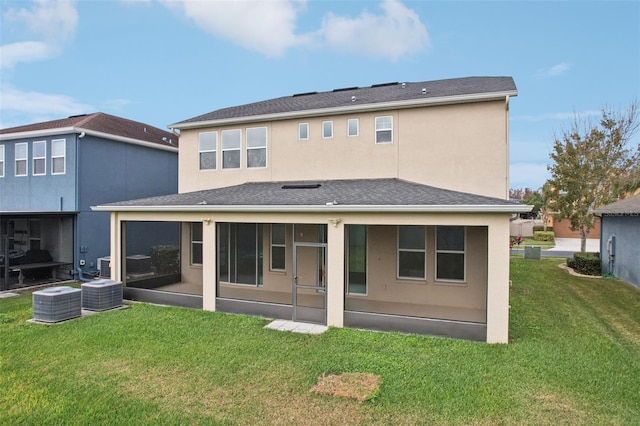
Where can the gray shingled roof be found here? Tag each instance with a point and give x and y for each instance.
(338, 193)
(104, 123)
(629, 206)
(384, 93)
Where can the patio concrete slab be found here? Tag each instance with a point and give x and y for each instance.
(297, 327)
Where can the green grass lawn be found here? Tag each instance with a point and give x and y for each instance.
(574, 358)
(529, 241)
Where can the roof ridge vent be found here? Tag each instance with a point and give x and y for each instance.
(384, 84)
(304, 94)
(301, 186)
(344, 89)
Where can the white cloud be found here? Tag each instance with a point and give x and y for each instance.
(264, 26)
(395, 33)
(17, 102)
(269, 27)
(52, 22)
(554, 71)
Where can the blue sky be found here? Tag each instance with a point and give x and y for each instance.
(161, 61)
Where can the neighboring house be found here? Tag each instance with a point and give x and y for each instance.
(382, 207)
(52, 172)
(619, 239)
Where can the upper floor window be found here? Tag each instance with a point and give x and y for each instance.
(257, 147)
(39, 158)
(231, 149)
(303, 131)
(196, 243)
(208, 150)
(327, 129)
(450, 253)
(58, 156)
(353, 125)
(22, 154)
(1, 160)
(278, 247)
(411, 252)
(384, 129)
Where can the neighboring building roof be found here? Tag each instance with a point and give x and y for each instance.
(379, 96)
(96, 123)
(628, 206)
(338, 195)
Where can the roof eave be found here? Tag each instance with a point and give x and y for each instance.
(79, 130)
(411, 103)
(523, 208)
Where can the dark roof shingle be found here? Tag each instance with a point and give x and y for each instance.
(104, 123)
(392, 92)
(629, 205)
(359, 192)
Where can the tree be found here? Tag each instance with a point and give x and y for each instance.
(591, 166)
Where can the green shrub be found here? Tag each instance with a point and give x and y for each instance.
(165, 259)
(541, 228)
(585, 263)
(543, 236)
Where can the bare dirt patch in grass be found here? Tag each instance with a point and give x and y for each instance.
(359, 386)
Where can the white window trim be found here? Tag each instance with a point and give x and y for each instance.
(437, 251)
(357, 120)
(192, 263)
(398, 250)
(300, 125)
(16, 159)
(323, 135)
(266, 137)
(272, 245)
(200, 151)
(34, 158)
(63, 156)
(2, 169)
(383, 129)
(223, 150)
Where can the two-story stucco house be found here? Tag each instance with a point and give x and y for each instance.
(382, 207)
(52, 172)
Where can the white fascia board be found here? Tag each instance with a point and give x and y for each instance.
(79, 130)
(381, 106)
(519, 208)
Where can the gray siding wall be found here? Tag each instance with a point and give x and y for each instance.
(112, 171)
(46, 193)
(627, 253)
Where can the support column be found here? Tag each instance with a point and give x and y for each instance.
(209, 262)
(335, 273)
(498, 281)
(115, 253)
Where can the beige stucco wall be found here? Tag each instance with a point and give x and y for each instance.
(448, 146)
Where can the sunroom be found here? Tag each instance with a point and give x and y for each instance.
(380, 254)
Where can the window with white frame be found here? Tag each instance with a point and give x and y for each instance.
(327, 129)
(39, 167)
(196, 243)
(450, 253)
(58, 156)
(21, 156)
(231, 149)
(278, 246)
(257, 147)
(303, 131)
(353, 127)
(1, 160)
(356, 259)
(411, 252)
(208, 150)
(384, 129)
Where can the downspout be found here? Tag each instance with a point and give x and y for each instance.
(506, 105)
(76, 222)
